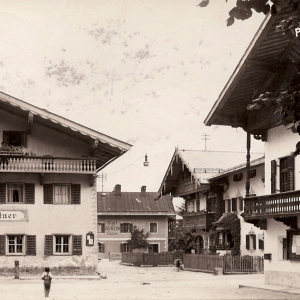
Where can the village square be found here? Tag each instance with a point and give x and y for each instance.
(105, 192)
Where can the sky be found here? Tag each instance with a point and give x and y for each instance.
(146, 72)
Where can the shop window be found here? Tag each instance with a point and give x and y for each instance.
(15, 138)
(101, 227)
(17, 193)
(62, 194)
(101, 248)
(125, 227)
(153, 227)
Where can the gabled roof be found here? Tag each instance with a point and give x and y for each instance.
(106, 148)
(261, 69)
(253, 163)
(201, 164)
(134, 203)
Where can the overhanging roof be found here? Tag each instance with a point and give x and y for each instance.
(201, 164)
(261, 67)
(107, 148)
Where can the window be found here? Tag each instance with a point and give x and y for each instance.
(63, 244)
(101, 248)
(190, 205)
(62, 194)
(241, 203)
(15, 244)
(125, 247)
(287, 174)
(125, 227)
(153, 227)
(238, 177)
(228, 205)
(154, 248)
(251, 242)
(15, 138)
(234, 204)
(101, 227)
(261, 241)
(17, 193)
(18, 244)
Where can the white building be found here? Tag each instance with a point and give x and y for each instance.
(48, 197)
(269, 67)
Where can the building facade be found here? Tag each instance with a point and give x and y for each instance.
(48, 198)
(264, 108)
(119, 212)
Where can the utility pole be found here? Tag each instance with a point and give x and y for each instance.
(206, 138)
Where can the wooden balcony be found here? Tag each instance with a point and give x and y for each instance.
(42, 164)
(275, 205)
(200, 220)
(186, 186)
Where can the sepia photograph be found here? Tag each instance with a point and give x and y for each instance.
(149, 149)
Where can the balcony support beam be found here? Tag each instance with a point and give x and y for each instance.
(288, 221)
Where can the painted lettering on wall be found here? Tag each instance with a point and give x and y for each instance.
(11, 215)
(112, 228)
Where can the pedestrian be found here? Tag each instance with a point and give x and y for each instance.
(178, 265)
(47, 277)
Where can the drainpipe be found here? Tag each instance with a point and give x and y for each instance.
(248, 165)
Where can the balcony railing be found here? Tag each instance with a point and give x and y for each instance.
(200, 220)
(36, 164)
(287, 203)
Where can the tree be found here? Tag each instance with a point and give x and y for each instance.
(243, 9)
(138, 238)
(185, 239)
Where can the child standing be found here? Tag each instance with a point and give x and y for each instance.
(178, 265)
(47, 277)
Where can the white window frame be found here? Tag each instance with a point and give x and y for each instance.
(127, 223)
(56, 185)
(22, 185)
(153, 232)
(23, 244)
(69, 236)
(127, 247)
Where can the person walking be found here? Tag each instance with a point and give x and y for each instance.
(47, 277)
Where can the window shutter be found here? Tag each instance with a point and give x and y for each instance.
(247, 242)
(2, 193)
(130, 227)
(2, 244)
(5, 137)
(103, 227)
(103, 248)
(273, 176)
(290, 173)
(24, 138)
(77, 245)
(254, 241)
(241, 204)
(261, 244)
(48, 194)
(234, 206)
(29, 193)
(121, 228)
(48, 245)
(121, 248)
(31, 244)
(75, 194)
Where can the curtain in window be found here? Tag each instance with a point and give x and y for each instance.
(15, 192)
(62, 194)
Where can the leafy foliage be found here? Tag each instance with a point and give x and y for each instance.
(185, 239)
(288, 103)
(138, 238)
(243, 8)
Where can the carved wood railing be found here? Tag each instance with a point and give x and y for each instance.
(280, 204)
(34, 164)
(201, 220)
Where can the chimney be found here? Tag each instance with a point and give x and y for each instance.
(143, 190)
(118, 190)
